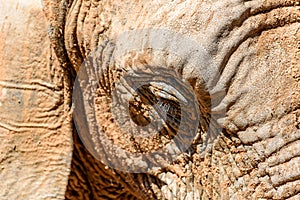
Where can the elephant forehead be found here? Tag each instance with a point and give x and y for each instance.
(203, 21)
(202, 16)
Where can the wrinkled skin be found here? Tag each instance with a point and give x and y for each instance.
(255, 45)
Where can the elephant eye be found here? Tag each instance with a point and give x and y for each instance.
(154, 108)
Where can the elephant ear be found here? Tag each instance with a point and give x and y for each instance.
(35, 131)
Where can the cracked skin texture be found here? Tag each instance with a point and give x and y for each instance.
(255, 45)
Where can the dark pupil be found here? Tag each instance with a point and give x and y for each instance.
(141, 104)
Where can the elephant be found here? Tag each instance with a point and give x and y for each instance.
(238, 58)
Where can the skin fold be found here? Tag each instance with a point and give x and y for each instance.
(254, 46)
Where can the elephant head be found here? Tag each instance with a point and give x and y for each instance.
(221, 77)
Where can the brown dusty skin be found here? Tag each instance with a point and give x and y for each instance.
(257, 52)
(256, 46)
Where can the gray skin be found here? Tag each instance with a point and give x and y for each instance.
(255, 47)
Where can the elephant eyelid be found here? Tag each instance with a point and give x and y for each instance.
(168, 92)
